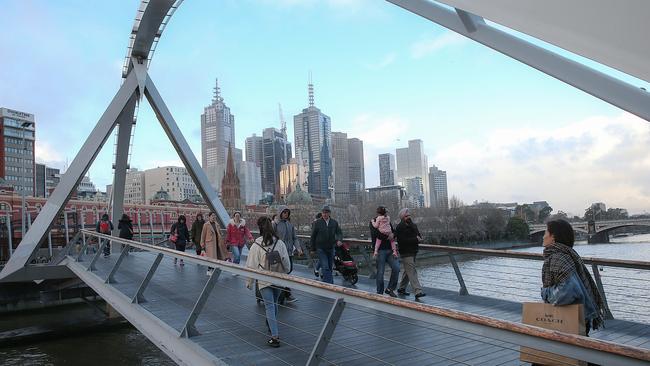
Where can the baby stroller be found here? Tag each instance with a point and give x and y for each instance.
(345, 264)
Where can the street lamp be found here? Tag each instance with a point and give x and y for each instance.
(23, 126)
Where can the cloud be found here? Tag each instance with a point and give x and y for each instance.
(386, 61)
(427, 46)
(597, 159)
(47, 154)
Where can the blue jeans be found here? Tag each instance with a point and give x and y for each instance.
(270, 296)
(326, 260)
(236, 253)
(384, 256)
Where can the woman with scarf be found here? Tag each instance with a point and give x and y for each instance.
(565, 277)
(237, 234)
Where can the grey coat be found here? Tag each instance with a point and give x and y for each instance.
(287, 233)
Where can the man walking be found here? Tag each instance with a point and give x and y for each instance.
(287, 233)
(325, 234)
(408, 238)
(105, 226)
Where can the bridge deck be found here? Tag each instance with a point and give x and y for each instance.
(232, 324)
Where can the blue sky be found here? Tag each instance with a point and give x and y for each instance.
(503, 131)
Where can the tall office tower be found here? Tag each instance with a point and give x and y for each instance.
(412, 162)
(276, 152)
(415, 192)
(17, 149)
(387, 169)
(312, 132)
(289, 178)
(250, 180)
(357, 174)
(175, 180)
(341, 168)
(217, 134)
(230, 186)
(438, 183)
(254, 149)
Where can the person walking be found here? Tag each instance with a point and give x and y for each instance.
(195, 232)
(325, 234)
(105, 226)
(212, 242)
(268, 245)
(125, 226)
(408, 238)
(384, 253)
(287, 232)
(179, 235)
(316, 263)
(565, 278)
(237, 234)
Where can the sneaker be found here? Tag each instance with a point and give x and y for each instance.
(209, 272)
(273, 342)
(175, 260)
(390, 292)
(316, 274)
(290, 299)
(420, 294)
(182, 263)
(106, 255)
(402, 292)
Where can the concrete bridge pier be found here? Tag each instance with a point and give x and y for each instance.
(598, 238)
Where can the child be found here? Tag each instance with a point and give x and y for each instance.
(382, 223)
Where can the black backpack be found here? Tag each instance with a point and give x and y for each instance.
(272, 259)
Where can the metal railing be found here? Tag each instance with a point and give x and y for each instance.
(449, 324)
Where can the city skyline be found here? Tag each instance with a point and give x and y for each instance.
(502, 131)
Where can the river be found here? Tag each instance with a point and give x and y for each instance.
(127, 346)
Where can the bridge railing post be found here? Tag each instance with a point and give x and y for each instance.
(138, 298)
(189, 330)
(601, 289)
(463, 289)
(105, 242)
(326, 333)
(372, 270)
(111, 276)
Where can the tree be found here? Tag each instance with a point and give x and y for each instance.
(494, 223)
(517, 229)
(544, 214)
(559, 215)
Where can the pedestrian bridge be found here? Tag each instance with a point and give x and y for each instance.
(205, 320)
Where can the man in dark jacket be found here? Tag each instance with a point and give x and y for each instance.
(105, 226)
(195, 232)
(408, 238)
(324, 235)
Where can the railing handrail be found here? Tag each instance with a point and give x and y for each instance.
(380, 302)
(622, 263)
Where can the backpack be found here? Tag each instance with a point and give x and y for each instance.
(104, 227)
(272, 259)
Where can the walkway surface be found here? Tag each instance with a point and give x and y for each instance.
(232, 324)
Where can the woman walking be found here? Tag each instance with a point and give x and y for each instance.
(565, 277)
(195, 232)
(237, 234)
(211, 241)
(268, 244)
(179, 235)
(384, 253)
(125, 227)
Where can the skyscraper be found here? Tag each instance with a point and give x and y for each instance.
(17, 137)
(254, 149)
(276, 149)
(415, 191)
(412, 162)
(250, 179)
(341, 168)
(312, 132)
(356, 171)
(217, 134)
(438, 182)
(387, 169)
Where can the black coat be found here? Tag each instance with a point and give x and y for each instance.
(325, 236)
(126, 229)
(407, 238)
(182, 231)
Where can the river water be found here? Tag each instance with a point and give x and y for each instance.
(511, 279)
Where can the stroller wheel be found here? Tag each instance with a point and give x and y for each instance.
(354, 278)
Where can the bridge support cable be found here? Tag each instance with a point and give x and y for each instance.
(189, 330)
(326, 333)
(609, 89)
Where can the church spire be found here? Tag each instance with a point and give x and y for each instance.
(230, 187)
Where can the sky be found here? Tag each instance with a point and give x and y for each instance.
(503, 131)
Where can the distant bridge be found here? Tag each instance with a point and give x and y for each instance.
(598, 232)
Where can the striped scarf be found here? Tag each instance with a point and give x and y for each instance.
(560, 262)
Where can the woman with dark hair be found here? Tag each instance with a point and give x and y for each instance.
(237, 234)
(565, 277)
(125, 227)
(385, 253)
(179, 235)
(261, 256)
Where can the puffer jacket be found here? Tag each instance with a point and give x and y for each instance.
(238, 234)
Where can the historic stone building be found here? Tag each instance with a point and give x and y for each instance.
(230, 191)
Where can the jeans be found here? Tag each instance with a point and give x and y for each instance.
(236, 253)
(326, 260)
(384, 256)
(107, 247)
(270, 296)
